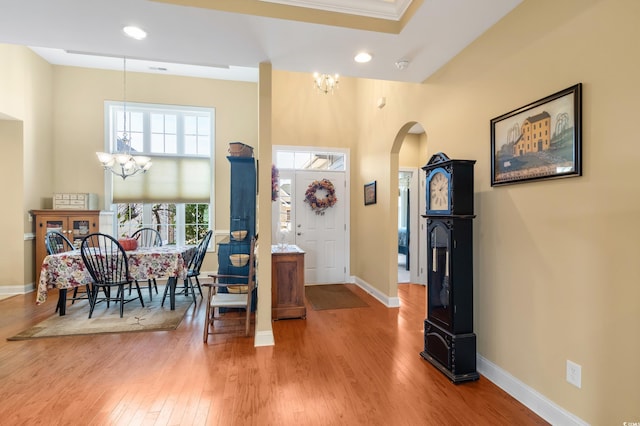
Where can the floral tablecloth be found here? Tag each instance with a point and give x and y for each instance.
(67, 270)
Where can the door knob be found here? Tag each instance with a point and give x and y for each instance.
(299, 233)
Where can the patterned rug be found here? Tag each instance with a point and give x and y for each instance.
(332, 296)
(76, 322)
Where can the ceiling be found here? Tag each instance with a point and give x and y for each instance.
(227, 39)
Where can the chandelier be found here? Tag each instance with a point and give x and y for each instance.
(122, 163)
(325, 83)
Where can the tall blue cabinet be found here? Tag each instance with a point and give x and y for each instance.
(242, 216)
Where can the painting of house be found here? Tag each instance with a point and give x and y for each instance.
(535, 135)
(538, 140)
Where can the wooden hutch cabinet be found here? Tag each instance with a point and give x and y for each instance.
(73, 224)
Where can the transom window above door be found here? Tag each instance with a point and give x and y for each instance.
(307, 160)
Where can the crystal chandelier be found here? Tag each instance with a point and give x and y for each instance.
(122, 163)
(325, 83)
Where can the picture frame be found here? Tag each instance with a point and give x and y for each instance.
(370, 193)
(541, 140)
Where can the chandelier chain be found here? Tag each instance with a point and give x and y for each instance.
(125, 138)
(122, 163)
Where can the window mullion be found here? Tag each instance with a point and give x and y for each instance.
(180, 218)
(146, 132)
(180, 129)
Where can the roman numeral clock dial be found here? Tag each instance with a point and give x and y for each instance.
(439, 192)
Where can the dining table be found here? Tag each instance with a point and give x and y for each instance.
(67, 270)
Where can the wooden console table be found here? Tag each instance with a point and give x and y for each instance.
(287, 282)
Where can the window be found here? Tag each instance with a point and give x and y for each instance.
(305, 160)
(176, 194)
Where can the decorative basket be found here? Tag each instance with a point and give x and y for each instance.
(239, 149)
(129, 244)
(238, 235)
(239, 260)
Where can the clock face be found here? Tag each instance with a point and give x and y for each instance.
(439, 192)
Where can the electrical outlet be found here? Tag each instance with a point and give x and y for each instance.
(574, 374)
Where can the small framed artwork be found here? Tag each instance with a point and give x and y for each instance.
(542, 140)
(370, 193)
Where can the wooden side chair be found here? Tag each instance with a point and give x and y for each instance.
(193, 269)
(106, 261)
(241, 300)
(148, 237)
(56, 242)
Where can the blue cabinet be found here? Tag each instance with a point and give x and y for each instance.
(242, 217)
(243, 195)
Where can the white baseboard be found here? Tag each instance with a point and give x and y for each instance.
(13, 290)
(524, 394)
(529, 397)
(264, 338)
(389, 302)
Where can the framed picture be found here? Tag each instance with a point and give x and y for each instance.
(370, 193)
(541, 140)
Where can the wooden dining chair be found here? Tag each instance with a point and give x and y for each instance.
(242, 299)
(193, 270)
(56, 242)
(148, 237)
(106, 261)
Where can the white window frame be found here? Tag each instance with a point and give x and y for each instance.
(110, 132)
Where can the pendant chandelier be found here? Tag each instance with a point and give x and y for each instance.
(325, 83)
(122, 163)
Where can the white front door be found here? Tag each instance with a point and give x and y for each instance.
(321, 236)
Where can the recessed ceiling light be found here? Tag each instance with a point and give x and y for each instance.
(363, 57)
(135, 32)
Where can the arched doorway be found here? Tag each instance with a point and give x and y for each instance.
(410, 147)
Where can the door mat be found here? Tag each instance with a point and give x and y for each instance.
(332, 296)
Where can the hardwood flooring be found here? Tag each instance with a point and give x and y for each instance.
(356, 366)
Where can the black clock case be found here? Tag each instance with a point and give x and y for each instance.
(458, 317)
(449, 341)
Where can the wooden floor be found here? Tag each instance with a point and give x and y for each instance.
(338, 367)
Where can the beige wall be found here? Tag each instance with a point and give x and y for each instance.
(11, 260)
(26, 139)
(264, 335)
(555, 275)
(79, 124)
(304, 117)
(411, 152)
(555, 261)
(61, 158)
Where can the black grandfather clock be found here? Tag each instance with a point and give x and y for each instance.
(449, 341)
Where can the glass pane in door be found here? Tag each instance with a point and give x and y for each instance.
(54, 225)
(284, 230)
(439, 308)
(80, 228)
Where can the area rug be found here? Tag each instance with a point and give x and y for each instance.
(332, 296)
(76, 322)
